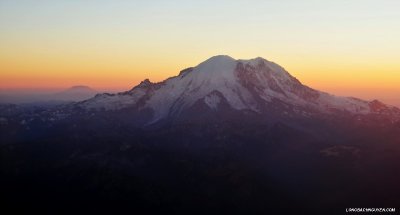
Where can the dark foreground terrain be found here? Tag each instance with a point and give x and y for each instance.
(241, 164)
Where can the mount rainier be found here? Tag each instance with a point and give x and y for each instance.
(221, 83)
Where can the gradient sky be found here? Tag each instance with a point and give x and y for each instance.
(347, 47)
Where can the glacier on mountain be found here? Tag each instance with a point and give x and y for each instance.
(245, 85)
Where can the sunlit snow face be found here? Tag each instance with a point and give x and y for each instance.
(242, 84)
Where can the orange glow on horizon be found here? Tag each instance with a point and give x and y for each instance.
(341, 80)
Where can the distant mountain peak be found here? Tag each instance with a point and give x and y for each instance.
(75, 93)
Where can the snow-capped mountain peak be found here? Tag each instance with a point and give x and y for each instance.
(256, 85)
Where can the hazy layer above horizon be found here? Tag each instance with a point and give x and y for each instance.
(72, 94)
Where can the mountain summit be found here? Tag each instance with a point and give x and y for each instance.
(75, 93)
(222, 83)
